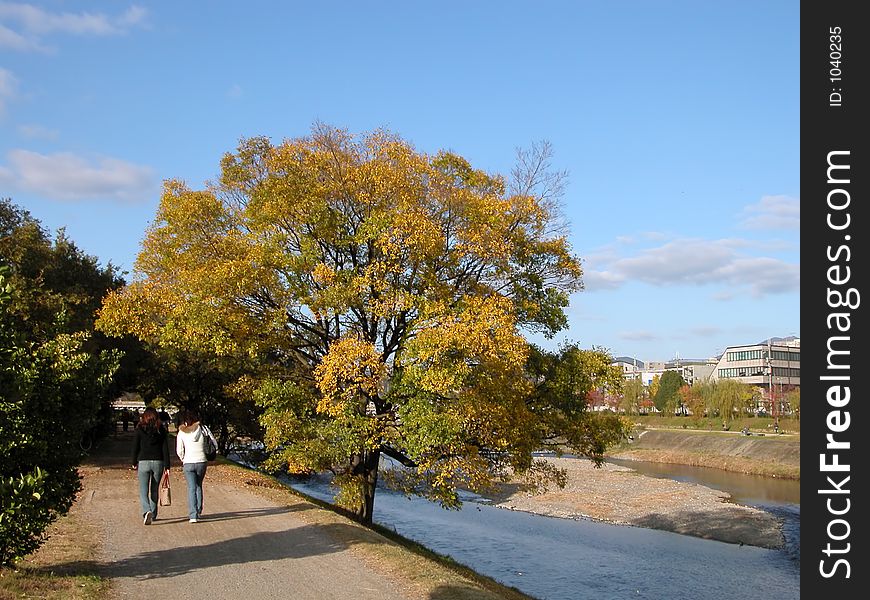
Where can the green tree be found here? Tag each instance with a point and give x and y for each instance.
(704, 391)
(53, 377)
(563, 381)
(667, 394)
(632, 394)
(653, 388)
(730, 396)
(57, 285)
(793, 397)
(385, 289)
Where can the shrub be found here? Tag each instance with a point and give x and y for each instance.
(51, 388)
(25, 513)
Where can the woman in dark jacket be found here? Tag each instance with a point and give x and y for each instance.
(151, 458)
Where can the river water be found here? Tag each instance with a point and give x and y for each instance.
(745, 489)
(564, 559)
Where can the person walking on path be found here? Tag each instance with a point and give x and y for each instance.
(256, 542)
(151, 459)
(165, 419)
(190, 447)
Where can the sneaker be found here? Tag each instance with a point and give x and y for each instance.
(148, 518)
(193, 521)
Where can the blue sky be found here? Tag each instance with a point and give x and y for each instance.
(678, 123)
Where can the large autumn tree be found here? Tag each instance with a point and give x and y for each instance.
(384, 289)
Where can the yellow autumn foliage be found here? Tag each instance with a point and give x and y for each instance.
(351, 372)
(391, 283)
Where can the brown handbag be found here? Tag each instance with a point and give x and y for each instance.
(165, 492)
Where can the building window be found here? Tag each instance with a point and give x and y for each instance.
(745, 355)
(785, 372)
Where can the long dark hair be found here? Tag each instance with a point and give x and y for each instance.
(149, 421)
(188, 417)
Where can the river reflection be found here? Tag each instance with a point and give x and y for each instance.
(563, 559)
(744, 489)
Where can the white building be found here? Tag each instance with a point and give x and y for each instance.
(693, 369)
(767, 366)
(631, 367)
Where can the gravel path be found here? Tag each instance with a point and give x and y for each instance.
(620, 495)
(245, 547)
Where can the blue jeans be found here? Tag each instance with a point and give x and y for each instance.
(194, 473)
(150, 472)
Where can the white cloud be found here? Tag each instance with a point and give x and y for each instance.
(8, 88)
(22, 26)
(235, 91)
(655, 236)
(696, 262)
(65, 176)
(38, 132)
(16, 41)
(684, 261)
(705, 330)
(773, 212)
(638, 336)
(762, 275)
(602, 280)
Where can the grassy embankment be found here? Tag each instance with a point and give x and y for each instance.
(770, 455)
(63, 568)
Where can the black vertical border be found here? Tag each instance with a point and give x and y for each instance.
(828, 124)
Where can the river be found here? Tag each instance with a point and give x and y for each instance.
(745, 489)
(564, 559)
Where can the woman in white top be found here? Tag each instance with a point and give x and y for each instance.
(190, 447)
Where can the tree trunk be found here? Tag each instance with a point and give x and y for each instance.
(368, 473)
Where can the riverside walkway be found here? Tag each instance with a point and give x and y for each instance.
(246, 546)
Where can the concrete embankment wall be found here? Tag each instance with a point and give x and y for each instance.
(774, 449)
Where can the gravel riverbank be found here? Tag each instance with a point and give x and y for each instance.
(619, 495)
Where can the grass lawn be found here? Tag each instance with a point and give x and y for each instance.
(755, 424)
(62, 568)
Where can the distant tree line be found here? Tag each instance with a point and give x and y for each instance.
(724, 398)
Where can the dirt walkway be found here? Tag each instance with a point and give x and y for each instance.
(246, 546)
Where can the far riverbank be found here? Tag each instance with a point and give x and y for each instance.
(766, 455)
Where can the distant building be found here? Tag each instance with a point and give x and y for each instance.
(129, 401)
(773, 367)
(649, 374)
(768, 365)
(693, 369)
(631, 367)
